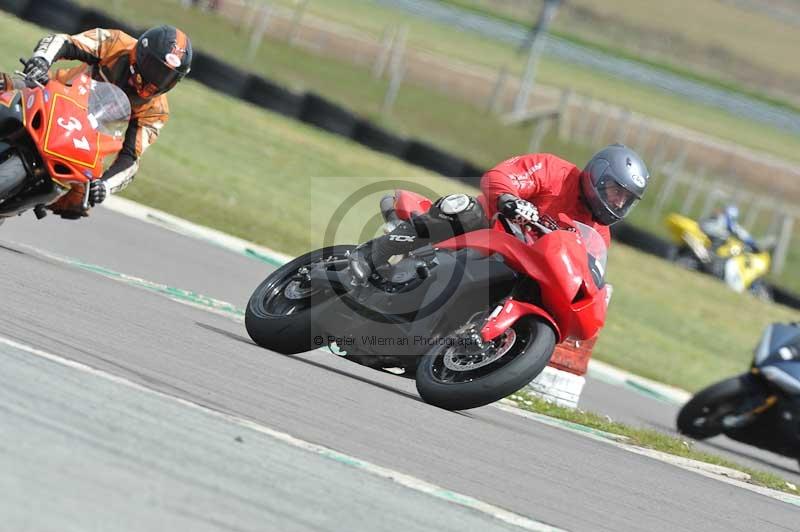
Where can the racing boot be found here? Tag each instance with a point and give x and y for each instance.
(377, 252)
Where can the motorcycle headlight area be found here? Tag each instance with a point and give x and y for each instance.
(789, 352)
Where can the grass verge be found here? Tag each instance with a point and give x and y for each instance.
(647, 438)
(425, 113)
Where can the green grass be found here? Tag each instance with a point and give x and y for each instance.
(647, 438)
(229, 165)
(426, 113)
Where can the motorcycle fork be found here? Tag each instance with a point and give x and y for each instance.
(747, 417)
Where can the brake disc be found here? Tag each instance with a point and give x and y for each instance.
(465, 361)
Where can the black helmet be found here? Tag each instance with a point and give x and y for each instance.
(162, 58)
(613, 181)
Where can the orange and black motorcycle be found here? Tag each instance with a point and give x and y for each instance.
(54, 140)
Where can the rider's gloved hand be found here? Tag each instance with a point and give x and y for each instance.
(37, 69)
(518, 210)
(98, 190)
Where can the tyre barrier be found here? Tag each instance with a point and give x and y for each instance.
(93, 18)
(59, 15)
(378, 139)
(219, 75)
(784, 297)
(641, 240)
(471, 175)
(268, 95)
(327, 115)
(14, 7)
(432, 158)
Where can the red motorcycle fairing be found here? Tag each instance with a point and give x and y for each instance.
(409, 203)
(559, 264)
(58, 120)
(507, 315)
(571, 301)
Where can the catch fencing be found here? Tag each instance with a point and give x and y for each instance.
(564, 50)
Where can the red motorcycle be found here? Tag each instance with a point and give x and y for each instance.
(54, 140)
(473, 318)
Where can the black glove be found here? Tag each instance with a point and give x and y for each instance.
(37, 69)
(517, 210)
(98, 190)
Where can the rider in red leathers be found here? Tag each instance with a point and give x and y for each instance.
(522, 188)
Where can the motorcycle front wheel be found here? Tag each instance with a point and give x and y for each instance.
(703, 416)
(451, 376)
(278, 315)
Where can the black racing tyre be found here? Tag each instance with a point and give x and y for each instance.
(533, 344)
(685, 258)
(12, 175)
(701, 417)
(762, 291)
(278, 322)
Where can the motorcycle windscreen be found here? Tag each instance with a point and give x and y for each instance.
(109, 109)
(596, 249)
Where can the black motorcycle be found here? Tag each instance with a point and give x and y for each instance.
(760, 407)
(473, 319)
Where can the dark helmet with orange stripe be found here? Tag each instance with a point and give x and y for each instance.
(162, 58)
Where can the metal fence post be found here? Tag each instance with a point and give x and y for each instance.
(387, 43)
(539, 131)
(601, 126)
(694, 191)
(297, 19)
(564, 113)
(582, 123)
(782, 247)
(495, 104)
(660, 154)
(536, 46)
(622, 126)
(752, 212)
(396, 71)
(665, 194)
(258, 33)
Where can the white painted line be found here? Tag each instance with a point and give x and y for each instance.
(611, 375)
(402, 479)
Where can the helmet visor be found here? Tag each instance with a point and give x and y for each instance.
(617, 198)
(157, 76)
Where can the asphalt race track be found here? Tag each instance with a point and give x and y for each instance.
(85, 452)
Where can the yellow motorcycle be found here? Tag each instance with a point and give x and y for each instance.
(741, 266)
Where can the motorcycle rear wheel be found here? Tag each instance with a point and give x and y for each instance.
(280, 323)
(702, 416)
(531, 351)
(12, 175)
